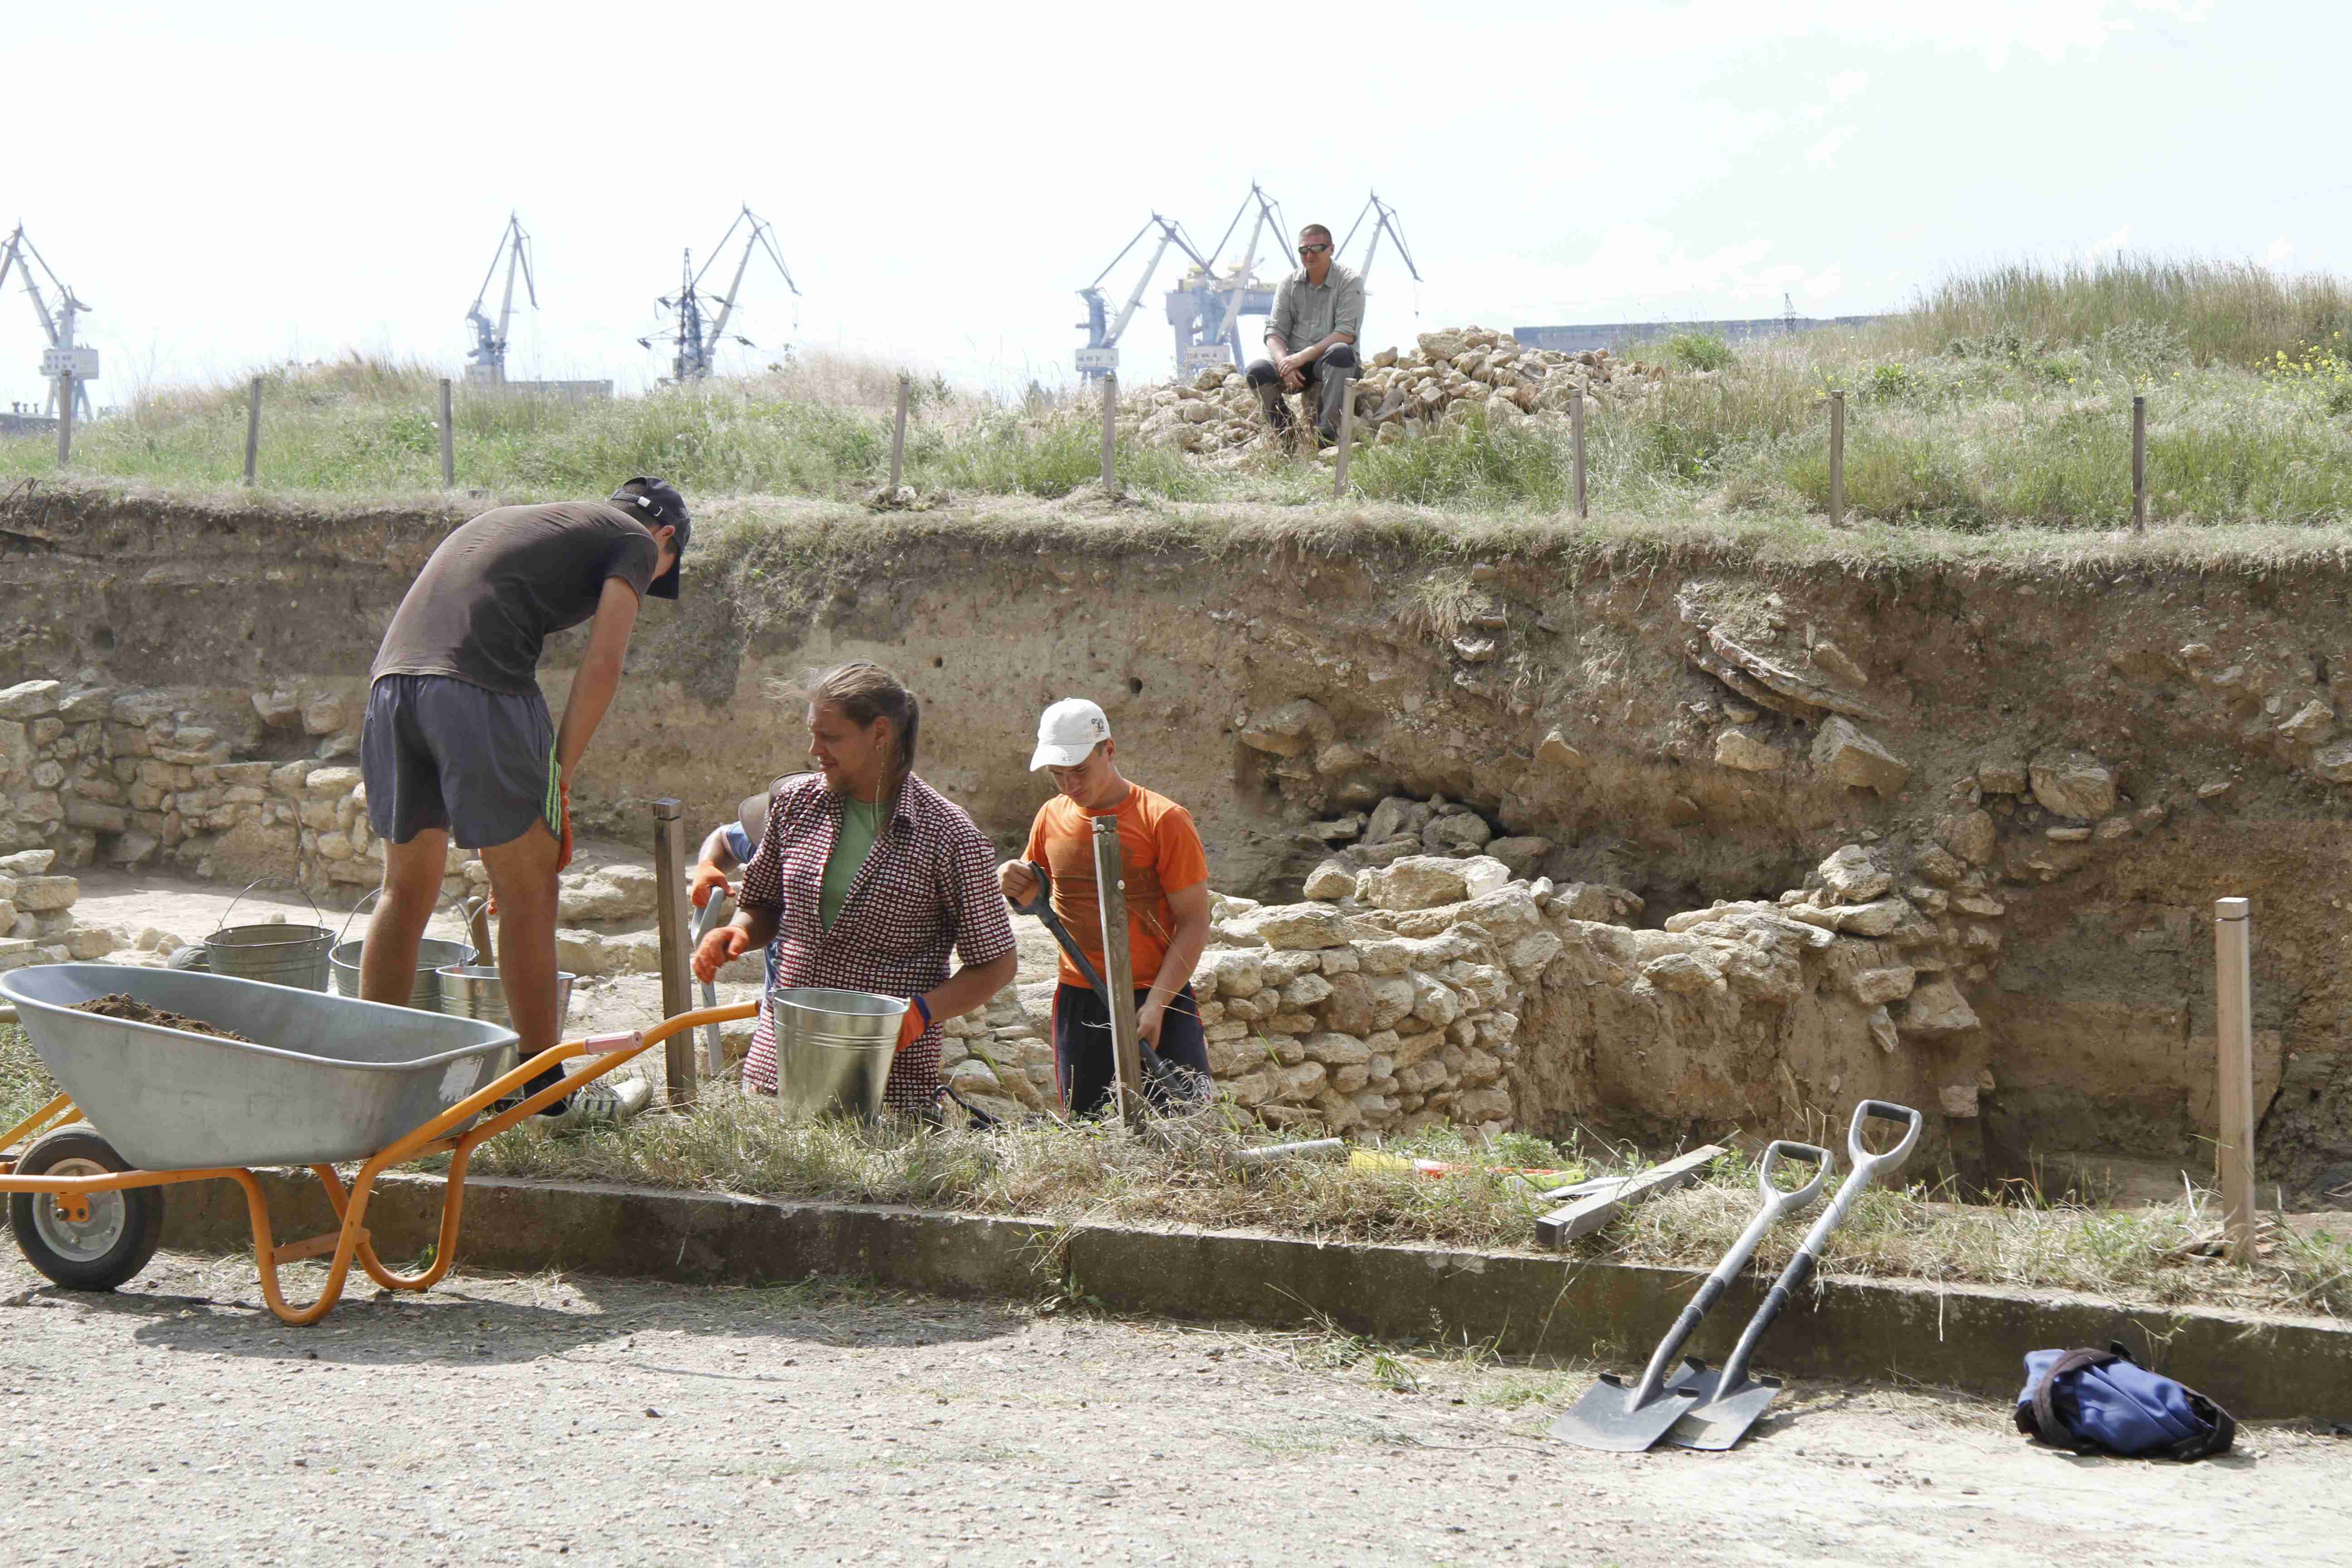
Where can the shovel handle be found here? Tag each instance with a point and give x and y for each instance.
(1781, 1149)
(1881, 1110)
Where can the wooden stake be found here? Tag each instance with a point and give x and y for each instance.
(1347, 437)
(1118, 969)
(448, 442)
(65, 417)
(2139, 464)
(1837, 459)
(1576, 442)
(2233, 1019)
(672, 923)
(252, 427)
(1110, 432)
(898, 435)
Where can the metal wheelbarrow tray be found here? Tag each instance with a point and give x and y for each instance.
(339, 1081)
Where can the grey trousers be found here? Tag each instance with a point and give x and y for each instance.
(1327, 377)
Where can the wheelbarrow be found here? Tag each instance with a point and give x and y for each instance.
(338, 1081)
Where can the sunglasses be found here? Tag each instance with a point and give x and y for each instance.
(1312, 250)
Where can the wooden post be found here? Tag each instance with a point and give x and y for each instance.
(1576, 443)
(1118, 969)
(669, 912)
(1347, 437)
(1110, 432)
(2139, 464)
(2233, 1021)
(65, 417)
(252, 427)
(898, 434)
(448, 442)
(1837, 459)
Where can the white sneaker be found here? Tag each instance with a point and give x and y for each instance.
(602, 1103)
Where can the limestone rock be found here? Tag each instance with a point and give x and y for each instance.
(1736, 748)
(1882, 1029)
(1519, 855)
(280, 710)
(1339, 829)
(611, 893)
(1874, 987)
(1331, 880)
(1397, 817)
(2001, 777)
(2073, 783)
(1288, 730)
(1883, 918)
(1938, 1009)
(1852, 758)
(28, 862)
(327, 783)
(1939, 865)
(2313, 722)
(1972, 837)
(1557, 753)
(1851, 877)
(1827, 656)
(1484, 874)
(1459, 832)
(1304, 927)
(31, 700)
(2333, 763)
(1684, 974)
(1416, 882)
(42, 894)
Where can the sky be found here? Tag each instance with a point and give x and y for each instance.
(248, 183)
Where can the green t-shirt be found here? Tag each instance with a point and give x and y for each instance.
(850, 846)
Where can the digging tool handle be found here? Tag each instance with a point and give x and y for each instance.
(1041, 905)
(1775, 1203)
(1866, 1165)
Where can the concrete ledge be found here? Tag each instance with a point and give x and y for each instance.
(1965, 1337)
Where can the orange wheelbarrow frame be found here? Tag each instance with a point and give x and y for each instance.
(351, 1239)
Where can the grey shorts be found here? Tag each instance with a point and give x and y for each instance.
(437, 751)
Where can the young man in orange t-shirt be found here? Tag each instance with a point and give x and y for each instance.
(1167, 876)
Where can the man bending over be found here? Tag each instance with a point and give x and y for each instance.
(457, 740)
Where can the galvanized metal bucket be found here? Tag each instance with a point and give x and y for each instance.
(833, 1049)
(433, 955)
(473, 991)
(278, 953)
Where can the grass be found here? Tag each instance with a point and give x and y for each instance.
(2000, 401)
(2158, 1254)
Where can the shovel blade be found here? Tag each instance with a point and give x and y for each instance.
(1724, 1419)
(1607, 1420)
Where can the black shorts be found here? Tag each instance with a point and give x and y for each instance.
(1082, 1054)
(436, 752)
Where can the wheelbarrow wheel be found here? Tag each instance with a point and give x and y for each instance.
(97, 1253)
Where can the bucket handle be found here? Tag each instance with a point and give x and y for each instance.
(316, 918)
(376, 892)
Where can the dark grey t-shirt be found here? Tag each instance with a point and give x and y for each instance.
(487, 599)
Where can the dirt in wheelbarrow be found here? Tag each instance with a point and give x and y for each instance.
(132, 1010)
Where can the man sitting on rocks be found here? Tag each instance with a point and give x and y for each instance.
(1320, 306)
(1166, 872)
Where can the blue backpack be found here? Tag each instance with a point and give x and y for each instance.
(2104, 1401)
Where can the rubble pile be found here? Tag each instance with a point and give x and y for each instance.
(1439, 384)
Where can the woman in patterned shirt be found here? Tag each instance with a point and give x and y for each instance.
(864, 880)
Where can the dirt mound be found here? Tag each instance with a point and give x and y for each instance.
(134, 1011)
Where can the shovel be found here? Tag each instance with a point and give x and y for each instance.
(1179, 1092)
(1621, 1421)
(1728, 1403)
(706, 920)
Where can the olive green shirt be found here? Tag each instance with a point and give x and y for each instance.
(859, 822)
(1305, 313)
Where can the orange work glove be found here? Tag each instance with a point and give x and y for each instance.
(719, 948)
(564, 840)
(708, 882)
(918, 1019)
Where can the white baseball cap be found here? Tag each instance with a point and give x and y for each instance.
(1066, 731)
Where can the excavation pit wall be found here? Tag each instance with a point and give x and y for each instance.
(1964, 818)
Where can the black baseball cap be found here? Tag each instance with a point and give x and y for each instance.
(656, 504)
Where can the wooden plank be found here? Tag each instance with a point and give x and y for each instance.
(2234, 1017)
(1590, 1213)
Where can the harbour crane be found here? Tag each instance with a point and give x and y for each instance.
(488, 358)
(1100, 356)
(1206, 310)
(697, 344)
(62, 355)
(1383, 218)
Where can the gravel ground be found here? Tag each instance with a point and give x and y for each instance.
(584, 1420)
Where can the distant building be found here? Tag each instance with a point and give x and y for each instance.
(1613, 334)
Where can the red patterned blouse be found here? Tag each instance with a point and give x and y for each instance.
(927, 885)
